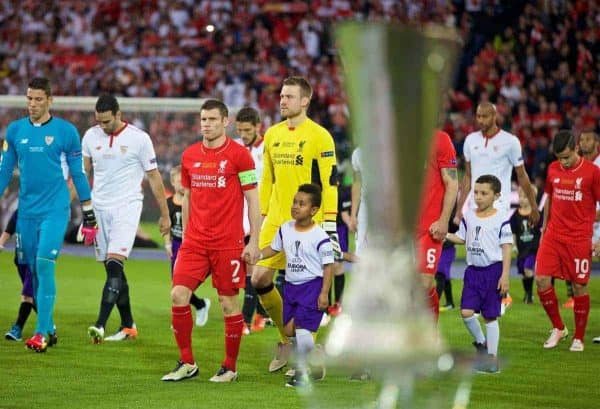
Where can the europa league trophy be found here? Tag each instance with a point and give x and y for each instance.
(395, 77)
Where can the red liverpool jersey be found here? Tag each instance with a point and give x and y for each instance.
(442, 156)
(574, 192)
(217, 179)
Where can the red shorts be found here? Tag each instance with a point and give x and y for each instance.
(429, 252)
(194, 265)
(567, 261)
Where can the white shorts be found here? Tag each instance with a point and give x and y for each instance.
(116, 229)
(361, 231)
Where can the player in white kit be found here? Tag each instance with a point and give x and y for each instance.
(119, 155)
(494, 151)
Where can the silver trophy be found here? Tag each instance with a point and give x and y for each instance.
(395, 77)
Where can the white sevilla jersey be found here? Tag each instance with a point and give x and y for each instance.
(119, 162)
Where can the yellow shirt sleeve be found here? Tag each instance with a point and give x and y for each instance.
(327, 163)
(267, 179)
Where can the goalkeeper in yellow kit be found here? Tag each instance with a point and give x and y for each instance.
(297, 151)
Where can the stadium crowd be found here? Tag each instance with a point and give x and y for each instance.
(537, 60)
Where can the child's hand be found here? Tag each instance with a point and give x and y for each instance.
(503, 284)
(323, 301)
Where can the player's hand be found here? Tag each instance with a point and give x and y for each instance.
(323, 301)
(251, 253)
(503, 284)
(438, 230)
(534, 217)
(89, 228)
(596, 249)
(330, 229)
(169, 249)
(164, 225)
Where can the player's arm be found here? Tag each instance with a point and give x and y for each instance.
(7, 163)
(525, 184)
(453, 238)
(465, 189)
(158, 190)
(460, 236)
(254, 217)
(546, 214)
(450, 180)
(267, 252)
(267, 178)
(506, 257)
(327, 164)
(185, 208)
(324, 294)
(355, 193)
(87, 166)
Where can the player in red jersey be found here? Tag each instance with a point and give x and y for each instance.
(216, 175)
(439, 198)
(573, 188)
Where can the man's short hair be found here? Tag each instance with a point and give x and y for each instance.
(215, 104)
(491, 180)
(42, 83)
(305, 88)
(314, 191)
(248, 114)
(562, 140)
(594, 134)
(107, 102)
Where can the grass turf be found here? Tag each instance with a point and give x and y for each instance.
(78, 374)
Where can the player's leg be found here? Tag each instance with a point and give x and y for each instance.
(125, 222)
(339, 277)
(228, 277)
(443, 278)
(191, 270)
(302, 314)
(570, 303)
(250, 300)
(528, 273)
(470, 302)
(580, 269)
(548, 265)
(51, 232)
(428, 257)
(27, 303)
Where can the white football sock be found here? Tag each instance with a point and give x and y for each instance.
(474, 328)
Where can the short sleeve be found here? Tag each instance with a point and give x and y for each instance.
(277, 242)
(515, 153)
(147, 155)
(462, 230)
(325, 250)
(506, 236)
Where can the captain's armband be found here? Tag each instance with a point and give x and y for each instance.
(248, 177)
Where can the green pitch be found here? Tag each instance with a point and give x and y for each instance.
(77, 374)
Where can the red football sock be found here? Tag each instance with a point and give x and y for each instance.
(181, 318)
(550, 304)
(234, 325)
(434, 304)
(581, 311)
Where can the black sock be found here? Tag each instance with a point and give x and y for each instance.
(528, 286)
(448, 293)
(124, 305)
(197, 302)
(440, 283)
(250, 302)
(338, 283)
(24, 311)
(111, 291)
(569, 289)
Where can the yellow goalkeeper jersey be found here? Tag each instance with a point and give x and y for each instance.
(292, 157)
